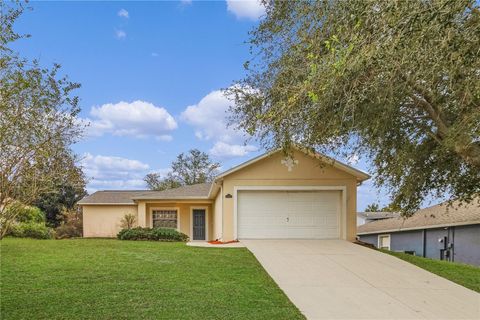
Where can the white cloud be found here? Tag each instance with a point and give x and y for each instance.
(120, 34)
(123, 13)
(209, 118)
(225, 150)
(108, 172)
(139, 119)
(250, 9)
(154, 54)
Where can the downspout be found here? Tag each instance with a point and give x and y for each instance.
(424, 243)
(452, 250)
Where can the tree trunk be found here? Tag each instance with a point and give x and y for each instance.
(469, 152)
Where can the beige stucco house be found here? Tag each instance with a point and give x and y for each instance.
(308, 196)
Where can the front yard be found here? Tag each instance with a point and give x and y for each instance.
(112, 279)
(463, 274)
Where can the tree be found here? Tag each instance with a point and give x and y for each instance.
(63, 197)
(395, 81)
(192, 168)
(156, 182)
(38, 123)
(373, 207)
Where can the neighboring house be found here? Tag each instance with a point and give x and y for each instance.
(308, 196)
(438, 232)
(366, 217)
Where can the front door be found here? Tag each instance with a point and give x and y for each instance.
(199, 224)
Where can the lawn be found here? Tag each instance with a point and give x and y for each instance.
(463, 274)
(112, 279)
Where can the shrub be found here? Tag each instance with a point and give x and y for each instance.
(154, 234)
(128, 221)
(71, 227)
(31, 230)
(24, 213)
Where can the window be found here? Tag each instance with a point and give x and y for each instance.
(164, 218)
(384, 241)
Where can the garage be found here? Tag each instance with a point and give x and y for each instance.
(286, 214)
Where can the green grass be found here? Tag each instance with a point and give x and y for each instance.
(112, 279)
(463, 274)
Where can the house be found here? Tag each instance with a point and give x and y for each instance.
(307, 196)
(438, 232)
(366, 217)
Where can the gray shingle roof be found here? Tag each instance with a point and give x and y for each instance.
(378, 215)
(197, 191)
(435, 216)
(200, 190)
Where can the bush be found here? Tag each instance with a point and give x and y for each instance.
(24, 213)
(155, 234)
(71, 227)
(31, 230)
(128, 221)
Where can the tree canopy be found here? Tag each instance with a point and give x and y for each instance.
(395, 81)
(188, 169)
(38, 123)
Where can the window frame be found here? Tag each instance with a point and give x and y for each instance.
(177, 209)
(386, 235)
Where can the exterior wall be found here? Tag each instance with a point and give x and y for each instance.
(407, 241)
(467, 244)
(217, 217)
(184, 214)
(432, 245)
(465, 239)
(308, 172)
(399, 241)
(104, 220)
(370, 238)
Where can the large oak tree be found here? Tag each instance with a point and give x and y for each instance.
(398, 81)
(187, 169)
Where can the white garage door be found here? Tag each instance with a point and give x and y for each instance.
(288, 214)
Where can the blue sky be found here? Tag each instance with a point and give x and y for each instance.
(151, 76)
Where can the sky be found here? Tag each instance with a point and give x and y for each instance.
(151, 76)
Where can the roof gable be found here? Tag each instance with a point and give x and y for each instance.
(359, 175)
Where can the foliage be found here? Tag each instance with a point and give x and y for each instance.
(128, 221)
(24, 213)
(373, 207)
(135, 280)
(33, 230)
(38, 123)
(71, 226)
(396, 81)
(188, 169)
(157, 234)
(26, 222)
(156, 182)
(463, 274)
(62, 197)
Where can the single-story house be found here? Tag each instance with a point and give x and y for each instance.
(305, 196)
(437, 232)
(367, 217)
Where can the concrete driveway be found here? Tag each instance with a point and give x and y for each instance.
(336, 279)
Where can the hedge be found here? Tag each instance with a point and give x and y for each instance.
(31, 230)
(153, 234)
